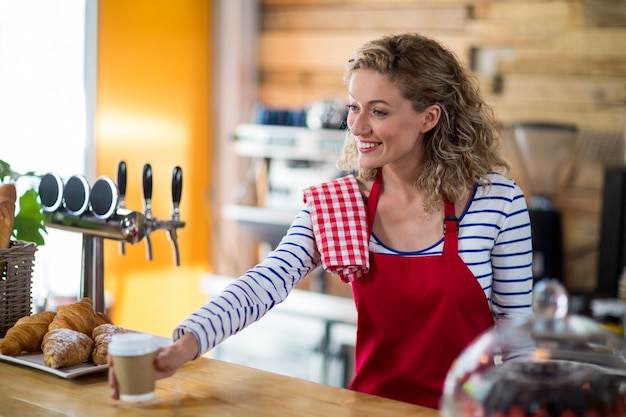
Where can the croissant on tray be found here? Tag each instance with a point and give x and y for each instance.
(101, 336)
(26, 334)
(102, 318)
(78, 316)
(65, 347)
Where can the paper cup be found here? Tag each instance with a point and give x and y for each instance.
(133, 357)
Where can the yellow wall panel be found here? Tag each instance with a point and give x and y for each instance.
(153, 106)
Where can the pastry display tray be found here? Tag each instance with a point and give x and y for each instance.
(35, 360)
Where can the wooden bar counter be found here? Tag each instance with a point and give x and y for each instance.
(205, 387)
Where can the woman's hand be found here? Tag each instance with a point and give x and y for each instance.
(167, 361)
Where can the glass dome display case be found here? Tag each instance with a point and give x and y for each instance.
(552, 364)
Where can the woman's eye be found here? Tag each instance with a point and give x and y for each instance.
(352, 108)
(378, 113)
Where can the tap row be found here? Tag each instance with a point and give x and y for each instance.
(99, 209)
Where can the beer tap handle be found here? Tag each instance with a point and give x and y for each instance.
(177, 189)
(147, 190)
(121, 187)
(121, 181)
(147, 199)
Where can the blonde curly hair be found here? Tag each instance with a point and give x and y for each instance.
(464, 145)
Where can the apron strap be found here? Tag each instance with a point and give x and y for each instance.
(450, 230)
(372, 202)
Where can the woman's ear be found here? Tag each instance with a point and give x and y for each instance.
(431, 117)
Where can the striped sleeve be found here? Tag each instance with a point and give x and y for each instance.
(248, 298)
(502, 208)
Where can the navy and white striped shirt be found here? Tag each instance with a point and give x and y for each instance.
(494, 242)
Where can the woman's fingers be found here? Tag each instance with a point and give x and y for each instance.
(112, 381)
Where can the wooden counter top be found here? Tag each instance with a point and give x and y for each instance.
(205, 387)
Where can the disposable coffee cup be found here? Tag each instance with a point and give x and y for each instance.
(133, 357)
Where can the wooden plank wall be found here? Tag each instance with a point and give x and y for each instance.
(560, 61)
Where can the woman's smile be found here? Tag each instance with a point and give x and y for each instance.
(365, 146)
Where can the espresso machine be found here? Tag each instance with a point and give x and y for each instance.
(98, 212)
(543, 149)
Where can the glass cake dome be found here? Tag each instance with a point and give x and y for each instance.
(551, 365)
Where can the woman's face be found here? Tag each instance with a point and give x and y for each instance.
(386, 128)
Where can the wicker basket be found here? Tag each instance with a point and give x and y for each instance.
(15, 283)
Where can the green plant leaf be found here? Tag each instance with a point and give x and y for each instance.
(29, 221)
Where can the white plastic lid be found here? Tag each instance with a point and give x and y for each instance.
(132, 344)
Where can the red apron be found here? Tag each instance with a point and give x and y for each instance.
(415, 316)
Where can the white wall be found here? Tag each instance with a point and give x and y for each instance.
(47, 89)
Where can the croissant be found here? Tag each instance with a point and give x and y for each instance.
(26, 334)
(65, 347)
(101, 336)
(102, 318)
(78, 316)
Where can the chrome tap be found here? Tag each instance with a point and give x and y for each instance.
(123, 225)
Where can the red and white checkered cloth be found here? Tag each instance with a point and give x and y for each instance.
(340, 226)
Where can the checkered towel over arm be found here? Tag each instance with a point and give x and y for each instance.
(340, 226)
